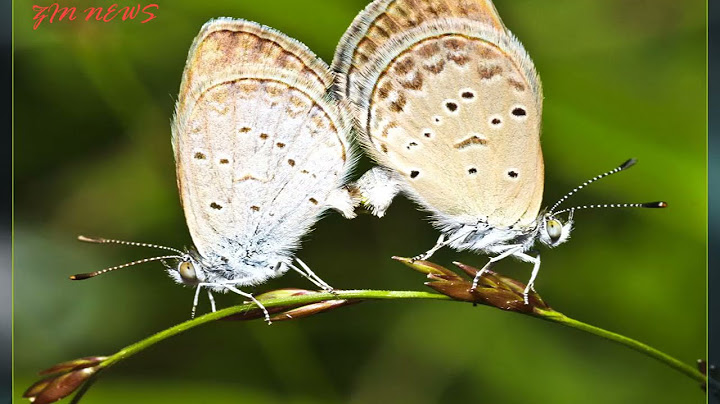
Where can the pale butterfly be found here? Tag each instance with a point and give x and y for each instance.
(449, 104)
(261, 151)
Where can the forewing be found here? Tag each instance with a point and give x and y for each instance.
(258, 147)
(450, 100)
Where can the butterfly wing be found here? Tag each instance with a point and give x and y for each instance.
(447, 98)
(260, 151)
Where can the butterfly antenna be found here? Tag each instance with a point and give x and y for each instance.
(622, 167)
(131, 243)
(616, 205)
(80, 277)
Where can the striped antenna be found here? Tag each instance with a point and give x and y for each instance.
(623, 166)
(615, 205)
(80, 277)
(131, 243)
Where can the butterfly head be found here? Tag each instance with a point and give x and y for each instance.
(188, 271)
(553, 231)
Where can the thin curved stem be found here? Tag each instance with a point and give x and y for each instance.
(357, 295)
(674, 363)
(269, 303)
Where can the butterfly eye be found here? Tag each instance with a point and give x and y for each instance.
(554, 229)
(187, 272)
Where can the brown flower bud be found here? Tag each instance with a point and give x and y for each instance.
(493, 289)
(456, 290)
(310, 309)
(489, 278)
(74, 364)
(273, 294)
(57, 387)
(284, 293)
(36, 388)
(432, 270)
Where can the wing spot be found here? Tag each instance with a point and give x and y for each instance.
(199, 156)
(436, 68)
(384, 90)
(411, 145)
(388, 127)
(404, 66)
(415, 84)
(414, 174)
(512, 174)
(263, 136)
(451, 106)
(255, 208)
(516, 84)
(399, 104)
(437, 120)
(247, 177)
(488, 53)
(472, 140)
(428, 133)
(291, 162)
(460, 59)
(313, 201)
(224, 161)
(472, 171)
(428, 50)
(467, 95)
(215, 206)
(486, 73)
(519, 112)
(454, 44)
(384, 148)
(245, 129)
(280, 144)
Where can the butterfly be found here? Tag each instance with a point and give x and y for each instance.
(448, 103)
(261, 152)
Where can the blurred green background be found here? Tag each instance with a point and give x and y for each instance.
(622, 78)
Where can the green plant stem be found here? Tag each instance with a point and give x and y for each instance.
(294, 301)
(285, 301)
(557, 317)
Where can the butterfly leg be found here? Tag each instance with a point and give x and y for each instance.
(376, 189)
(536, 268)
(441, 242)
(195, 300)
(212, 301)
(513, 249)
(308, 274)
(232, 288)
